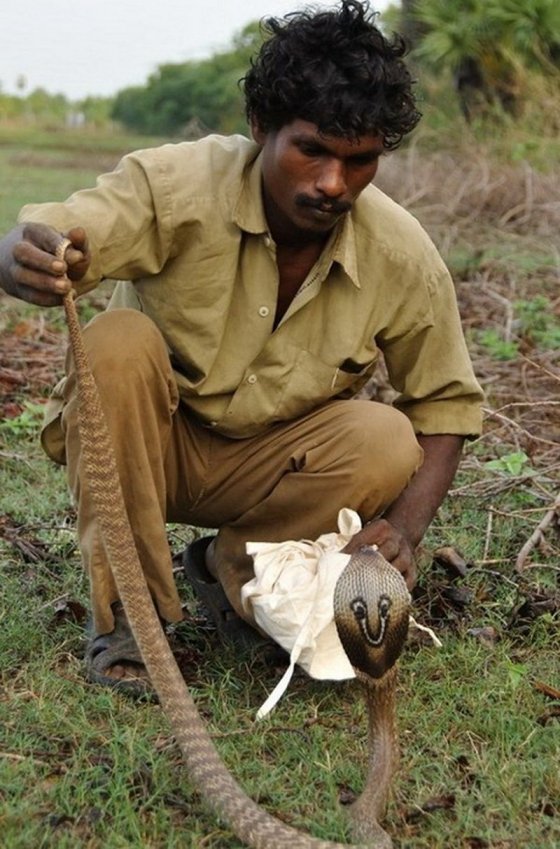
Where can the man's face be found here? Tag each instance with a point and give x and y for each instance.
(311, 180)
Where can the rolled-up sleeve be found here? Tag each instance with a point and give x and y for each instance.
(430, 367)
(127, 217)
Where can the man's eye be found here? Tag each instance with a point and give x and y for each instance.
(364, 161)
(310, 150)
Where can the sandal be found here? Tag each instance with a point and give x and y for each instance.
(119, 647)
(209, 591)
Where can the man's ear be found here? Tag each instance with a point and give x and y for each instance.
(257, 133)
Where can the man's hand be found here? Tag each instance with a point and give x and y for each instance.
(405, 521)
(392, 544)
(29, 269)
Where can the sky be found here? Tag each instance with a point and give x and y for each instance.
(97, 47)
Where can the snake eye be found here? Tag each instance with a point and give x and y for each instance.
(359, 608)
(384, 606)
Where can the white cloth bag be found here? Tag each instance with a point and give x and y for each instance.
(291, 599)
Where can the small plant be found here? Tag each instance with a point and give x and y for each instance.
(517, 672)
(537, 322)
(497, 347)
(26, 424)
(513, 464)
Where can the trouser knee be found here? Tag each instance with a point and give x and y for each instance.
(382, 450)
(122, 340)
(132, 370)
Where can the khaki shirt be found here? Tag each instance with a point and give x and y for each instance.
(185, 224)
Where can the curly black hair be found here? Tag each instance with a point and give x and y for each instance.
(335, 69)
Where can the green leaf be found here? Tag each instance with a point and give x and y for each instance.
(510, 464)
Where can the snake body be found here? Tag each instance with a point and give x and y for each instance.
(371, 611)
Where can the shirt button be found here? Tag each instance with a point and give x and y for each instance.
(252, 378)
(264, 311)
(267, 241)
(212, 424)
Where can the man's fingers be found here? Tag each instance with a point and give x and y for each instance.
(390, 549)
(78, 237)
(41, 236)
(77, 255)
(30, 256)
(72, 256)
(37, 297)
(38, 247)
(38, 279)
(407, 568)
(392, 545)
(37, 266)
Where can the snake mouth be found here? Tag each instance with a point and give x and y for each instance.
(359, 608)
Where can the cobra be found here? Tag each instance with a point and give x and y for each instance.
(368, 576)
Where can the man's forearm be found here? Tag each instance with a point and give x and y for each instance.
(417, 505)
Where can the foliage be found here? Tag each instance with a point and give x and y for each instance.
(491, 44)
(513, 463)
(177, 98)
(37, 106)
(25, 425)
(498, 347)
(535, 325)
(96, 110)
(40, 108)
(537, 322)
(485, 29)
(184, 98)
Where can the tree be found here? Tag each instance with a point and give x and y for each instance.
(96, 110)
(204, 93)
(411, 26)
(490, 45)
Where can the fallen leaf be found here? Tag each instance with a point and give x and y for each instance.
(549, 691)
(69, 610)
(545, 717)
(451, 560)
(468, 776)
(532, 607)
(458, 596)
(58, 820)
(30, 549)
(487, 635)
(346, 796)
(435, 803)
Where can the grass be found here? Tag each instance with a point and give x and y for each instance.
(40, 165)
(83, 768)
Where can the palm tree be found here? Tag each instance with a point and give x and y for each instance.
(490, 45)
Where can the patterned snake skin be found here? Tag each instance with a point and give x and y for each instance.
(371, 611)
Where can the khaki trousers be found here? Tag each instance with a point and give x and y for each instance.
(287, 483)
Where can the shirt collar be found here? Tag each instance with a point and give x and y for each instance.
(344, 249)
(248, 214)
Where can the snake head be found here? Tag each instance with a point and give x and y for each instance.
(371, 612)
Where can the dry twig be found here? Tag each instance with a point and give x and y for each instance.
(551, 517)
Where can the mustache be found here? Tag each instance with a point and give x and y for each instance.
(337, 207)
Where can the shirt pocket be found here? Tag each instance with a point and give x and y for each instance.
(312, 381)
(352, 375)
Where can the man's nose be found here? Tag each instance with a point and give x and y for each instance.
(332, 178)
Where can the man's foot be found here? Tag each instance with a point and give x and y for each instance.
(229, 625)
(114, 659)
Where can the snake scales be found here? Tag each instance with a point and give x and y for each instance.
(371, 612)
